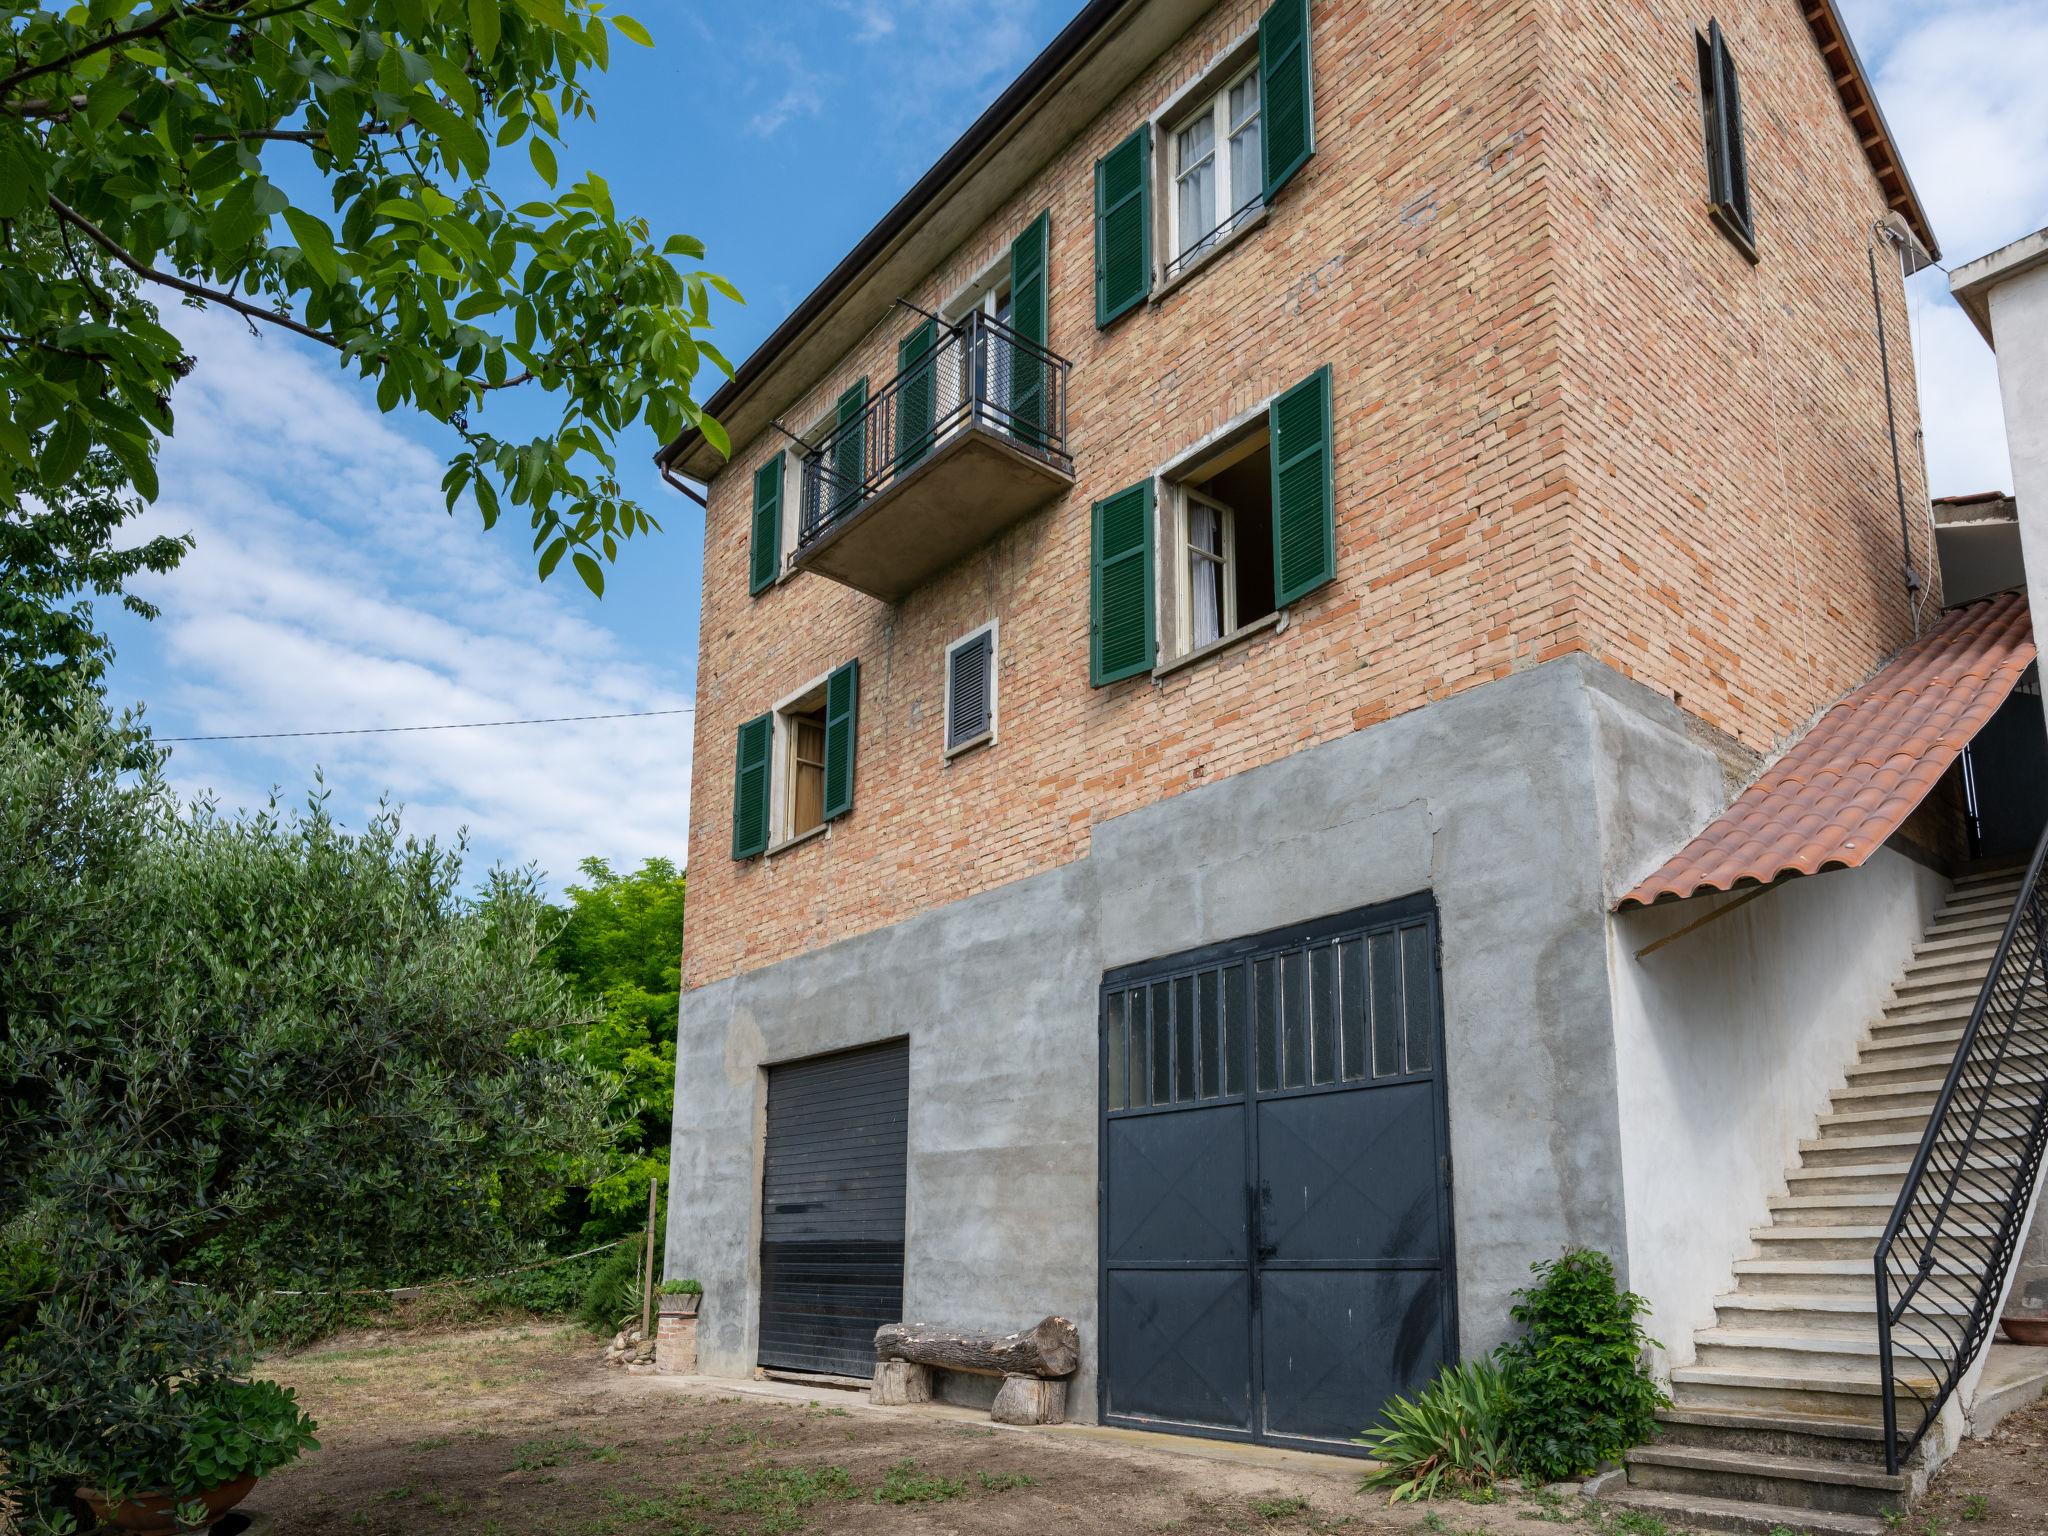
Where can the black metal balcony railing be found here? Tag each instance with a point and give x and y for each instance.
(1942, 1264)
(979, 373)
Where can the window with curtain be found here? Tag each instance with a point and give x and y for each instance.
(1217, 172)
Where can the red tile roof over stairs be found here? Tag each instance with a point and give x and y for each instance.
(1852, 780)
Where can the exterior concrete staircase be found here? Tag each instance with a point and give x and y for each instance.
(1778, 1423)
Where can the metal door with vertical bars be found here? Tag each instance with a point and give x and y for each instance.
(1275, 1181)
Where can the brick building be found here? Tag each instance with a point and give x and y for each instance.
(1214, 605)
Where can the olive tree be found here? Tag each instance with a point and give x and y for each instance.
(234, 1047)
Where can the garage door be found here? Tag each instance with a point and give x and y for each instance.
(1276, 1205)
(832, 1197)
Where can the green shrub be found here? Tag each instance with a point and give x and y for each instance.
(556, 1290)
(1579, 1388)
(227, 1429)
(613, 1291)
(680, 1288)
(1452, 1437)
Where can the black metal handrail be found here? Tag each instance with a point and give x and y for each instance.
(978, 373)
(1941, 1266)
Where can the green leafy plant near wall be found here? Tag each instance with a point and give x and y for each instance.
(1580, 1389)
(1574, 1391)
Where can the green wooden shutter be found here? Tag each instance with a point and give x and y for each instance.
(1304, 489)
(766, 562)
(842, 700)
(916, 400)
(1123, 226)
(1120, 636)
(1028, 320)
(849, 450)
(750, 788)
(1287, 134)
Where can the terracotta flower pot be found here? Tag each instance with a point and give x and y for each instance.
(156, 1514)
(2026, 1330)
(678, 1306)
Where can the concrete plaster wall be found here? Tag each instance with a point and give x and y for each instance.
(2019, 320)
(1729, 1042)
(1487, 799)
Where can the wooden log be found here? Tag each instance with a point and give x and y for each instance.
(1051, 1348)
(1030, 1400)
(899, 1384)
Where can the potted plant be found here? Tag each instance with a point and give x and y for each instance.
(234, 1432)
(679, 1298)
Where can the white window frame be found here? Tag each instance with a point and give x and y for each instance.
(793, 461)
(1185, 552)
(1230, 199)
(995, 653)
(989, 293)
(1230, 443)
(782, 766)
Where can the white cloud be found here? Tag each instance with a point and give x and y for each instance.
(329, 588)
(1960, 83)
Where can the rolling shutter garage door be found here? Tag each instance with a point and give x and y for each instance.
(832, 1198)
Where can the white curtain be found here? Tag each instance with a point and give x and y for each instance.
(1205, 573)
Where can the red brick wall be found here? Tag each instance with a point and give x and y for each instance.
(1737, 526)
(1494, 441)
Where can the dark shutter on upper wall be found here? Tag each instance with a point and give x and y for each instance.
(1286, 93)
(1121, 641)
(1304, 489)
(750, 788)
(765, 562)
(970, 689)
(1123, 226)
(1028, 258)
(1727, 159)
(842, 700)
(915, 396)
(849, 449)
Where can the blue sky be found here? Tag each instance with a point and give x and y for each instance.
(329, 589)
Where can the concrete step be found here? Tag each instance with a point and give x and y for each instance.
(1853, 1278)
(1853, 1242)
(1833, 1151)
(1915, 1066)
(1794, 1482)
(1689, 1512)
(1869, 1178)
(1790, 1349)
(1774, 1434)
(1841, 1392)
(1959, 942)
(1920, 1092)
(1876, 1121)
(1866, 1210)
(1824, 1310)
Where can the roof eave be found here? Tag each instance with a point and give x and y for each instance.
(1866, 119)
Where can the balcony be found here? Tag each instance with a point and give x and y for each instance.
(966, 441)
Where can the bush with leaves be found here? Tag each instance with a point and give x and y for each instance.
(1579, 1384)
(233, 1049)
(1453, 1436)
(611, 1297)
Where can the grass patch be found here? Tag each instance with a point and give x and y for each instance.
(1279, 1508)
(536, 1454)
(1003, 1482)
(1976, 1507)
(906, 1485)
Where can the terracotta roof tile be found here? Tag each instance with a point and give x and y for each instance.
(1851, 781)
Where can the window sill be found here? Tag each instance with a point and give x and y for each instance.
(1272, 621)
(794, 842)
(1727, 223)
(985, 739)
(1245, 226)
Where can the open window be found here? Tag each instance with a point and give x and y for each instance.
(1215, 545)
(794, 771)
(1216, 522)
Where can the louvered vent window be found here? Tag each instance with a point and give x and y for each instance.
(971, 690)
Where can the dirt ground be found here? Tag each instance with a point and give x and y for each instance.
(520, 1431)
(1998, 1486)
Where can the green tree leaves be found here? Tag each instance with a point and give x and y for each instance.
(145, 140)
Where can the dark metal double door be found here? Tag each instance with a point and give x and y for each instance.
(1276, 1223)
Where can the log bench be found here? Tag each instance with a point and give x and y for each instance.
(1033, 1365)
